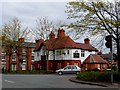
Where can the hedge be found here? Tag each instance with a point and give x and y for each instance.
(30, 72)
(98, 76)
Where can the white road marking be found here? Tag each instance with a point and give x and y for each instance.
(9, 81)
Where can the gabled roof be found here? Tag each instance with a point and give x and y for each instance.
(64, 42)
(106, 56)
(24, 44)
(94, 59)
(38, 44)
(89, 47)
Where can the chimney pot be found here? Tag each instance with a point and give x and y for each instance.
(87, 41)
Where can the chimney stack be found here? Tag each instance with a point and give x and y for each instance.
(61, 33)
(52, 36)
(87, 41)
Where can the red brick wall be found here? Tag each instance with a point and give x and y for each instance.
(58, 63)
(94, 66)
(28, 60)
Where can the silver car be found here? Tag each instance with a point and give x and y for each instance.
(69, 69)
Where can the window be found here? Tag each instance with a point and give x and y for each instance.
(76, 63)
(76, 55)
(98, 66)
(13, 67)
(86, 66)
(32, 50)
(43, 50)
(23, 67)
(37, 53)
(3, 56)
(3, 50)
(82, 53)
(63, 52)
(68, 52)
(24, 57)
(68, 63)
(24, 50)
(32, 67)
(13, 57)
(58, 52)
(32, 57)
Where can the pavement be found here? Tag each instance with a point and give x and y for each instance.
(107, 85)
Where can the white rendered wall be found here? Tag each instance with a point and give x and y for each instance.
(37, 58)
(37, 54)
(70, 55)
(65, 56)
(87, 53)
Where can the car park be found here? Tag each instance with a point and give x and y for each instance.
(69, 69)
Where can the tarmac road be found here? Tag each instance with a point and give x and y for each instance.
(41, 81)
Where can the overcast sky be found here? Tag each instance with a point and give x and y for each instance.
(27, 11)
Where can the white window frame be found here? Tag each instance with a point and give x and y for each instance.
(82, 53)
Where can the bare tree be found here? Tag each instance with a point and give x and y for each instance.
(11, 34)
(43, 29)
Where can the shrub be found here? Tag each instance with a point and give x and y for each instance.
(30, 72)
(88, 76)
(98, 76)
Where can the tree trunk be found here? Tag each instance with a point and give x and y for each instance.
(9, 68)
(18, 63)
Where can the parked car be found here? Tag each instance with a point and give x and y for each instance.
(69, 69)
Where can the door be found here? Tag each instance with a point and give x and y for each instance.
(13, 67)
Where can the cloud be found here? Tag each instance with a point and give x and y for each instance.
(28, 12)
(36, 0)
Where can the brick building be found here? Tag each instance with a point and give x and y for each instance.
(25, 61)
(94, 61)
(57, 52)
